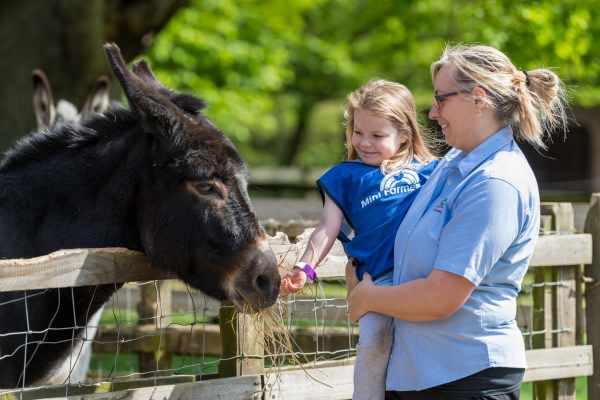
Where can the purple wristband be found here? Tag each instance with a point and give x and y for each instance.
(308, 270)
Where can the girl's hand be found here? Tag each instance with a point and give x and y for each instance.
(351, 278)
(358, 299)
(292, 282)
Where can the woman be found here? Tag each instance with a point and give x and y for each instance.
(464, 246)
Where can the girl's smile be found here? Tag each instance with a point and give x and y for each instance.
(375, 138)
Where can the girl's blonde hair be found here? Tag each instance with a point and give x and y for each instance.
(394, 102)
(531, 102)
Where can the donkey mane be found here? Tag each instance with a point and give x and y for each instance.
(46, 142)
(117, 119)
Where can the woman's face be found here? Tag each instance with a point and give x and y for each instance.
(455, 113)
(375, 139)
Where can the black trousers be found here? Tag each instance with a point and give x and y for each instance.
(434, 395)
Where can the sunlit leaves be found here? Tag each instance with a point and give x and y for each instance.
(264, 65)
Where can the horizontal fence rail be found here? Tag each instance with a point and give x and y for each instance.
(85, 267)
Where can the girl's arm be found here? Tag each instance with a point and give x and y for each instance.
(319, 245)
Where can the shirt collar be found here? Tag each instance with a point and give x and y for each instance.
(468, 162)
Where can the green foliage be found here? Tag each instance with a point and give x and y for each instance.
(266, 66)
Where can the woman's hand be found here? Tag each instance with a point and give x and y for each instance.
(292, 282)
(358, 298)
(351, 278)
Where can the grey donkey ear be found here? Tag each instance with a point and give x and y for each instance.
(43, 101)
(98, 99)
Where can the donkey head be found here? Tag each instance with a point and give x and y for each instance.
(196, 218)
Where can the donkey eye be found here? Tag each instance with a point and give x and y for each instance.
(205, 188)
(208, 189)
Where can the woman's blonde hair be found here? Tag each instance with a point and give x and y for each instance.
(531, 102)
(394, 102)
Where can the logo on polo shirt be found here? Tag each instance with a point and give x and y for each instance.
(393, 184)
(440, 207)
(405, 177)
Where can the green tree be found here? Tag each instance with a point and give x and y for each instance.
(259, 64)
(265, 65)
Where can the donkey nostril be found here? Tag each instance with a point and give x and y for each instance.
(263, 283)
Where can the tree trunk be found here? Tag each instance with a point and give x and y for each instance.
(292, 148)
(65, 38)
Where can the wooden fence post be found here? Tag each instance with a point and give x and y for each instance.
(542, 320)
(155, 302)
(554, 306)
(592, 294)
(242, 343)
(563, 216)
(566, 321)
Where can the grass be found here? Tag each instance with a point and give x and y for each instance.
(106, 365)
(131, 317)
(580, 389)
(123, 366)
(331, 289)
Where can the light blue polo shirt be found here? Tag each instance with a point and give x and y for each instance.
(483, 226)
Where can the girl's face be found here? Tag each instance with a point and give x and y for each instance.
(375, 139)
(454, 113)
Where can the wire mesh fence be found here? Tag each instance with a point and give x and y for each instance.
(186, 340)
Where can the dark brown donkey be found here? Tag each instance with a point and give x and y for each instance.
(159, 178)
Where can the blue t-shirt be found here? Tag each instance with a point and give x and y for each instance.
(373, 205)
(478, 217)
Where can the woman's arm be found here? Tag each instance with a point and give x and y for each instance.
(438, 296)
(485, 222)
(319, 244)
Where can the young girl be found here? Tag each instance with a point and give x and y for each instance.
(365, 199)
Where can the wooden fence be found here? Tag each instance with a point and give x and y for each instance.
(559, 352)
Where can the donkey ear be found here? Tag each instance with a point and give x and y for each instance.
(142, 70)
(43, 101)
(156, 113)
(129, 82)
(98, 99)
(186, 103)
